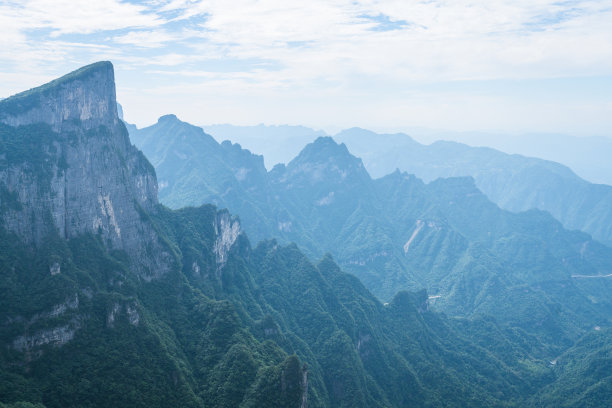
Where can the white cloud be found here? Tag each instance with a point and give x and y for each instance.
(447, 40)
(444, 40)
(146, 39)
(79, 16)
(323, 52)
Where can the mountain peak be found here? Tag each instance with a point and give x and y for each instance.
(168, 118)
(324, 148)
(363, 142)
(84, 98)
(322, 140)
(357, 131)
(324, 159)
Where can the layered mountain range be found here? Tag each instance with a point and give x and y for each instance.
(111, 299)
(587, 156)
(278, 144)
(514, 182)
(397, 232)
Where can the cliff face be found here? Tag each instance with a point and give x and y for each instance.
(83, 99)
(68, 159)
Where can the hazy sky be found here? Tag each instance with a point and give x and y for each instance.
(520, 65)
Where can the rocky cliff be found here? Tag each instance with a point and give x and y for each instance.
(83, 99)
(67, 158)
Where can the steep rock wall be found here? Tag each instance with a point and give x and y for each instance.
(83, 173)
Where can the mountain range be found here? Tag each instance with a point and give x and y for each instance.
(396, 232)
(112, 299)
(514, 182)
(278, 144)
(587, 156)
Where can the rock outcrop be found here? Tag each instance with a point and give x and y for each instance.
(83, 99)
(226, 231)
(82, 173)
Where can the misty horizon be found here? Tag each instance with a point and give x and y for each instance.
(512, 68)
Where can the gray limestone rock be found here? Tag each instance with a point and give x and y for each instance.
(56, 336)
(55, 268)
(226, 231)
(132, 314)
(83, 99)
(93, 180)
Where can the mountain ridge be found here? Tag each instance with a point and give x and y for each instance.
(514, 182)
(92, 86)
(80, 312)
(226, 324)
(397, 232)
(511, 185)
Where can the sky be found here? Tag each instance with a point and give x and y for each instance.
(485, 65)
